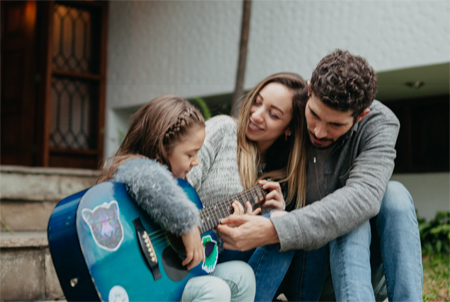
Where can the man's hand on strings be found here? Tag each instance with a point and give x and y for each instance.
(248, 232)
(239, 209)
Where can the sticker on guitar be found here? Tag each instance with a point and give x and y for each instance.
(118, 294)
(211, 253)
(105, 225)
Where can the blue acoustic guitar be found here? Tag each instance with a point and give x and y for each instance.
(106, 248)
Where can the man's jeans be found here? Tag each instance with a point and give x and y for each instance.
(355, 260)
(391, 238)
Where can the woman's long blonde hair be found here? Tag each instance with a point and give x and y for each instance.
(286, 159)
(154, 131)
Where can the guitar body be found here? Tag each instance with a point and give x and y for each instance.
(96, 239)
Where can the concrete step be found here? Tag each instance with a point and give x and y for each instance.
(28, 195)
(26, 268)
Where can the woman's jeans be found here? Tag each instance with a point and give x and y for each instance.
(355, 261)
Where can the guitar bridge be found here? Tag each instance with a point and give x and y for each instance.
(146, 247)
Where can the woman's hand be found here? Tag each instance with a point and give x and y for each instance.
(194, 248)
(274, 199)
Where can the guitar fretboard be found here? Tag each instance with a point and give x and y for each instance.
(212, 215)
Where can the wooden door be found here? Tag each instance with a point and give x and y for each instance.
(18, 82)
(53, 82)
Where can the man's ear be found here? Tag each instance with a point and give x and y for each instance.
(363, 114)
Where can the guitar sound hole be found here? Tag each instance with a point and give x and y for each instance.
(172, 265)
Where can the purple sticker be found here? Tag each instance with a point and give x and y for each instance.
(104, 223)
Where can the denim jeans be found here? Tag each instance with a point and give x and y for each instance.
(355, 261)
(231, 281)
(272, 267)
(388, 243)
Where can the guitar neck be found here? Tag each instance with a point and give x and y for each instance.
(211, 215)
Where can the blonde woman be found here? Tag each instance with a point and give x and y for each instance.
(266, 142)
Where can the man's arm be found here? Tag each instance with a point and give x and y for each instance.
(356, 202)
(252, 231)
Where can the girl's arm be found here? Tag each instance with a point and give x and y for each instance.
(157, 192)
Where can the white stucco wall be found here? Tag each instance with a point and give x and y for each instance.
(190, 48)
(159, 47)
(430, 192)
(295, 35)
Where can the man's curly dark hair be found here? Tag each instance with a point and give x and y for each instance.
(344, 82)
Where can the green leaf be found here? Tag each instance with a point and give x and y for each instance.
(203, 107)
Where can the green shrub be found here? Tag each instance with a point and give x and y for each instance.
(201, 104)
(435, 234)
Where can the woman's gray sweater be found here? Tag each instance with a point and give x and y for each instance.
(217, 175)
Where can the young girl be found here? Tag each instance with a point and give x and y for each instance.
(162, 144)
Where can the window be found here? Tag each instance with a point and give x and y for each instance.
(423, 141)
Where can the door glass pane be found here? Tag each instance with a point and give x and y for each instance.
(72, 43)
(71, 103)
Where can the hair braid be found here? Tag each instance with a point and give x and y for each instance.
(182, 121)
(154, 131)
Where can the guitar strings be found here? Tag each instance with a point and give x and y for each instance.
(219, 210)
(253, 195)
(222, 208)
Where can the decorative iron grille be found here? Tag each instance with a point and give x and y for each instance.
(71, 103)
(73, 93)
(72, 39)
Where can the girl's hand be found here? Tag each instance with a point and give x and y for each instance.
(274, 199)
(194, 248)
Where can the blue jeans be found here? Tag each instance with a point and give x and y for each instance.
(355, 260)
(388, 243)
(271, 267)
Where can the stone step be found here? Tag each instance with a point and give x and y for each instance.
(26, 268)
(29, 194)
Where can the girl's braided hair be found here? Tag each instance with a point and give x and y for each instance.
(183, 120)
(154, 131)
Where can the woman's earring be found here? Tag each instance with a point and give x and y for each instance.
(286, 134)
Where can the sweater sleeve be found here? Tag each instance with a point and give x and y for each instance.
(357, 201)
(217, 130)
(157, 192)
